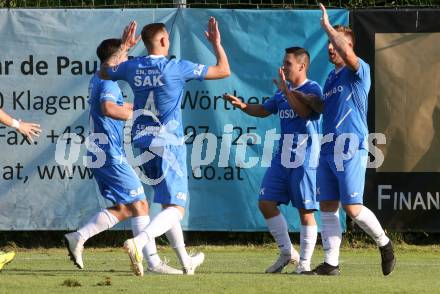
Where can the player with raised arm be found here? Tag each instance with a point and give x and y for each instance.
(341, 180)
(116, 179)
(282, 184)
(158, 82)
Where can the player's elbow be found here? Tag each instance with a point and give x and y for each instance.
(218, 72)
(226, 72)
(223, 72)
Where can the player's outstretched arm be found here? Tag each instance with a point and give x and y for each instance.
(251, 109)
(29, 130)
(221, 69)
(129, 40)
(340, 43)
(293, 97)
(119, 112)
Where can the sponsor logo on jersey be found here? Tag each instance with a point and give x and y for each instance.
(198, 69)
(181, 196)
(287, 113)
(333, 91)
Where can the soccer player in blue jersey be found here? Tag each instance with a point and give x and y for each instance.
(283, 184)
(158, 83)
(116, 179)
(344, 152)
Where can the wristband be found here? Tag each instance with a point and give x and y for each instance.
(15, 123)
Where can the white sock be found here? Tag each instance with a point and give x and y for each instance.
(278, 228)
(175, 236)
(139, 223)
(162, 223)
(100, 222)
(369, 223)
(331, 235)
(308, 237)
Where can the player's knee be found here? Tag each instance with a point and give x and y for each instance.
(139, 208)
(178, 207)
(353, 210)
(329, 206)
(268, 208)
(307, 217)
(122, 212)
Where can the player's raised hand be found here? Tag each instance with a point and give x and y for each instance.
(234, 101)
(212, 33)
(129, 38)
(325, 22)
(281, 84)
(29, 130)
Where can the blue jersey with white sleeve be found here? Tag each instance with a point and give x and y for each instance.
(100, 91)
(346, 105)
(157, 83)
(302, 130)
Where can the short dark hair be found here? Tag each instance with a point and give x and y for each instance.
(346, 30)
(150, 31)
(107, 48)
(299, 52)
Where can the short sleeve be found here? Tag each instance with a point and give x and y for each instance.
(271, 104)
(192, 71)
(109, 92)
(363, 72)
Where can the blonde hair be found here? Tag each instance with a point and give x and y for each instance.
(346, 31)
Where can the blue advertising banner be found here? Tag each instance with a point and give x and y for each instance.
(48, 58)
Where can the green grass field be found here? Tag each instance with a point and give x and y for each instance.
(229, 269)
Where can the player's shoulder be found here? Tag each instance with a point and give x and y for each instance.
(278, 95)
(363, 62)
(363, 66)
(109, 84)
(312, 84)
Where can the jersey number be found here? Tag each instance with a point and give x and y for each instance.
(149, 105)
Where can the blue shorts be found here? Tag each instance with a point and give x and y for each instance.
(345, 185)
(119, 183)
(168, 174)
(295, 185)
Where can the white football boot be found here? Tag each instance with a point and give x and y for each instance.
(75, 246)
(283, 260)
(136, 257)
(163, 269)
(196, 260)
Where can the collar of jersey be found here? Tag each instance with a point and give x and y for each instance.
(155, 56)
(299, 86)
(339, 69)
